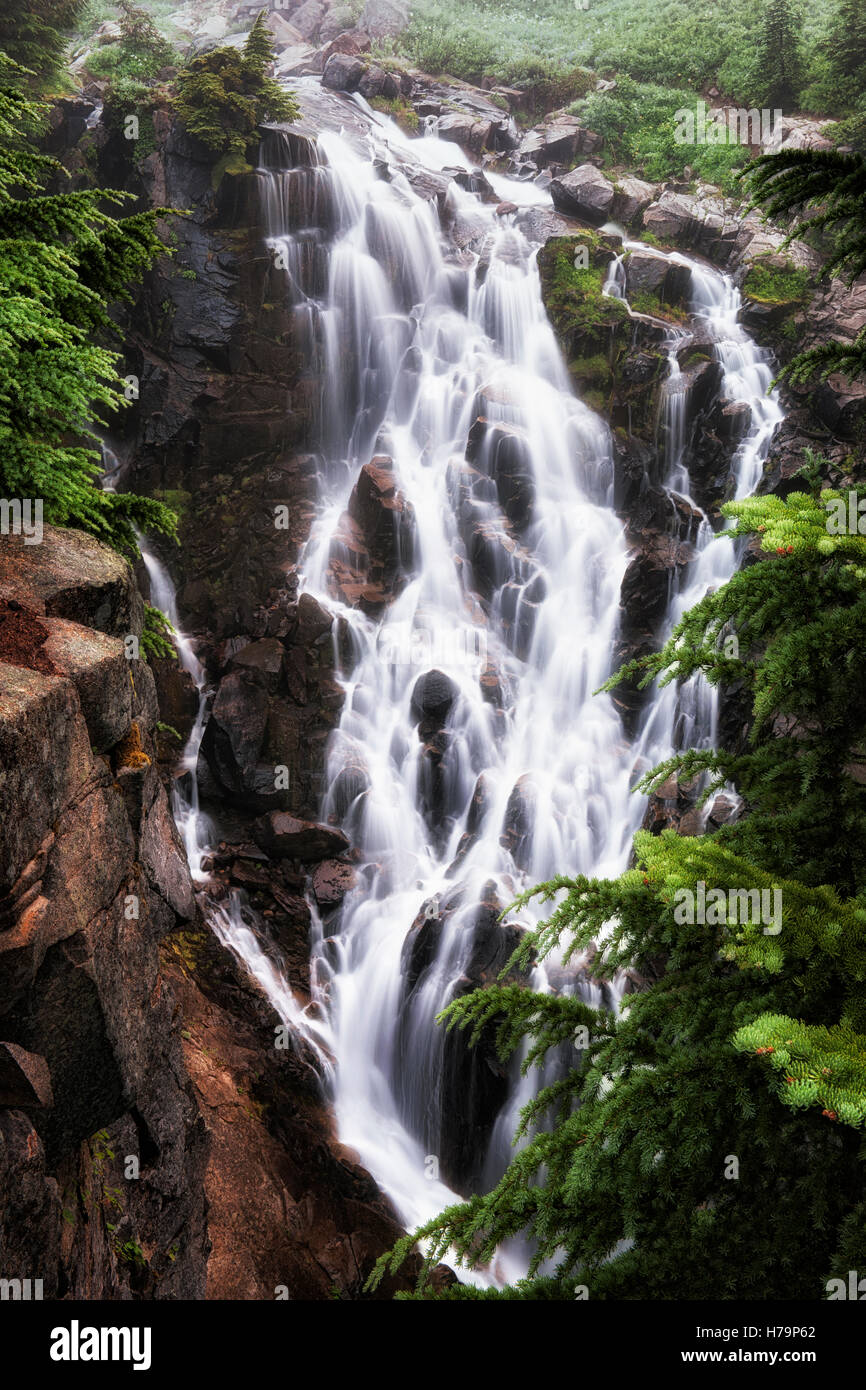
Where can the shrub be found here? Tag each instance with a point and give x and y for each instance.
(224, 96)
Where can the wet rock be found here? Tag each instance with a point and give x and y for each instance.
(385, 519)
(702, 223)
(474, 1081)
(517, 827)
(177, 695)
(342, 72)
(332, 880)
(644, 271)
(584, 193)
(650, 580)
(235, 735)
(433, 697)
(539, 224)
(502, 452)
(262, 661)
(286, 837)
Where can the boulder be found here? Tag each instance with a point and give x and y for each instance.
(372, 84)
(37, 713)
(433, 696)
(645, 272)
(584, 193)
(631, 198)
(71, 575)
(465, 129)
(262, 661)
(285, 837)
(558, 140)
(384, 18)
(342, 72)
(307, 19)
(332, 880)
(519, 821)
(98, 668)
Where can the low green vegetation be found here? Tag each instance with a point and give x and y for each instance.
(637, 121)
(579, 311)
(400, 110)
(773, 284)
(676, 43)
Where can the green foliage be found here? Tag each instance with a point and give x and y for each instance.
(817, 1066)
(821, 192)
(770, 284)
(400, 110)
(637, 122)
(846, 52)
(799, 618)
(140, 52)
(225, 95)
(63, 260)
(157, 634)
(33, 35)
(675, 1158)
(778, 71)
(673, 43)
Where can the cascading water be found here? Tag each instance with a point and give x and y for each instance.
(511, 575)
(417, 346)
(233, 921)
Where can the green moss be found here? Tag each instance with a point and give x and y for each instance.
(645, 302)
(595, 371)
(573, 295)
(768, 284)
(399, 109)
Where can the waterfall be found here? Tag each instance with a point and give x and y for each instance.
(234, 921)
(517, 558)
(472, 758)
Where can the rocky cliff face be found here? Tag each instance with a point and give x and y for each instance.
(102, 1144)
(153, 1141)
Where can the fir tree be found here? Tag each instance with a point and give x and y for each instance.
(846, 51)
(708, 1143)
(63, 260)
(778, 65)
(33, 35)
(224, 96)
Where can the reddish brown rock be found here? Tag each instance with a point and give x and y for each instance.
(286, 837)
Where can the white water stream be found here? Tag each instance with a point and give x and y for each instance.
(415, 346)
